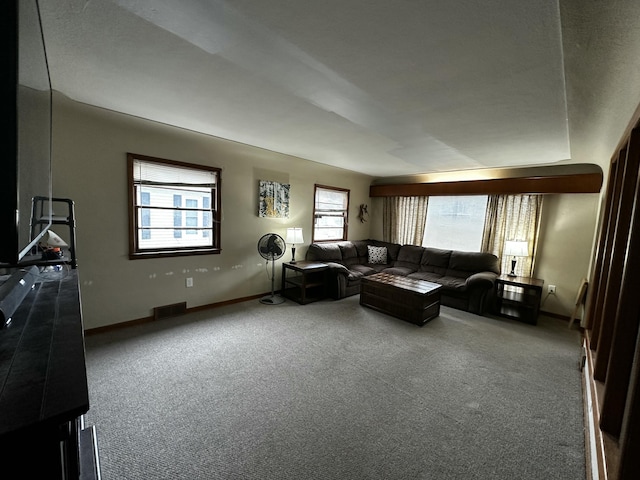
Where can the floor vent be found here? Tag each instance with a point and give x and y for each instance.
(169, 310)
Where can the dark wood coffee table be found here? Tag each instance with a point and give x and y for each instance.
(416, 301)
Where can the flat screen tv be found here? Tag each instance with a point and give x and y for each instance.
(26, 106)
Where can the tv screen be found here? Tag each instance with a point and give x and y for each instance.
(25, 93)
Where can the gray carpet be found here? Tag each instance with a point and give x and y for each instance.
(332, 390)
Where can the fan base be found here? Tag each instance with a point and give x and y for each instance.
(271, 300)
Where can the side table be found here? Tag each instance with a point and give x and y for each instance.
(303, 281)
(518, 298)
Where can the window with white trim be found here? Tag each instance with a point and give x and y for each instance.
(455, 222)
(330, 213)
(174, 207)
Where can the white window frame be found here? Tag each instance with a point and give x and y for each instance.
(163, 179)
(457, 233)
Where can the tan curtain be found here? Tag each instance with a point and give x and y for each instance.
(512, 217)
(403, 219)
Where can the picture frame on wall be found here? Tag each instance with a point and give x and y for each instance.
(273, 199)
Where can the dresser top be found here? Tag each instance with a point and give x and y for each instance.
(43, 378)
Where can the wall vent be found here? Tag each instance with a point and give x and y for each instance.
(172, 310)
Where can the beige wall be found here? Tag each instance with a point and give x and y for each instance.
(90, 148)
(565, 247)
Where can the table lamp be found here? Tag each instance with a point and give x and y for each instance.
(51, 245)
(515, 249)
(294, 236)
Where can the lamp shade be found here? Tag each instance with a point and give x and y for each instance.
(294, 235)
(516, 248)
(52, 239)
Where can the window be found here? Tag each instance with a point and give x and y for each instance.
(330, 214)
(191, 219)
(174, 207)
(145, 214)
(455, 223)
(177, 216)
(206, 216)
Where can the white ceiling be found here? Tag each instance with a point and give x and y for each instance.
(380, 87)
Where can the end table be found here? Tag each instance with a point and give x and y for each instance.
(518, 298)
(304, 282)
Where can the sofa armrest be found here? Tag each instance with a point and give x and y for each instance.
(480, 287)
(337, 280)
(337, 268)
(482, 280)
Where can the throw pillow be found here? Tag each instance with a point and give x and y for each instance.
(377, 255)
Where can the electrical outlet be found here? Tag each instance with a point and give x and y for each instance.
(552, 290)
(189, 282)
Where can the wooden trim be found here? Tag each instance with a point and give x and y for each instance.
(118, 326)
(540, 184)
(609, 232)
(614, 331)
(176, 163)
(134, 252)
(199, 308)
(629, 460)
(596, 279)
(618, 255)
(555, 315)
(607, 298)
(596, 465)
(627, 313)
(174, 253)
(345, 231)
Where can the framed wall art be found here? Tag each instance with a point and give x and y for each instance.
(274, 199)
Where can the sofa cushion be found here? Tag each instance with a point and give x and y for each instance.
(462, 264)
(362, 249)
(428, 276)
(402, 271)
(376, 255)
(453, 283)
(349, 253)
(324, 252)
(409, 257)
(392, 249)
(348, 250)
(365, 269)
(435, 260)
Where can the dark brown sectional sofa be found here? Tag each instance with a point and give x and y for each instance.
(467, 277)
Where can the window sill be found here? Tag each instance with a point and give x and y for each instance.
(174, 253)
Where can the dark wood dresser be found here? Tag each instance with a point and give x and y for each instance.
(43, 385)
